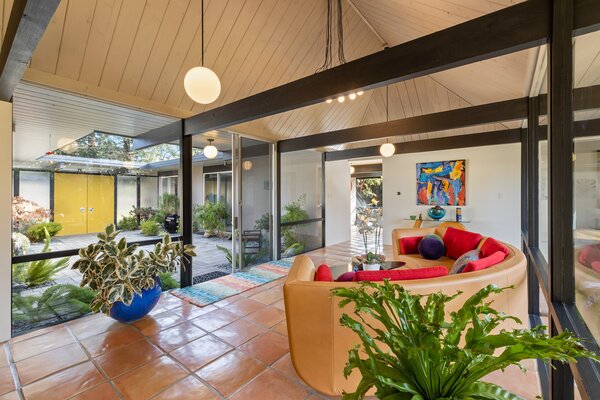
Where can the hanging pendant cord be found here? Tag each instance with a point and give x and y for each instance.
(328, 36)
(202, 25)
(340, 23)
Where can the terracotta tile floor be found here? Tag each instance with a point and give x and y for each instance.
(234, 349)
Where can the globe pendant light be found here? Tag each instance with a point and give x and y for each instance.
(210, 151)
(201, 83)
(387, 149)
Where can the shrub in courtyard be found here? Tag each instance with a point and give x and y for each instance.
(26, 213)
(64, 301)
(37, 232)
(167, 282)
(413, 351)
(36, 273)
(128, 223)
(247, 259)
(212, 216)
(290, 237)
(20, 244)
(143, 213)
(169, 203)
(151, 228)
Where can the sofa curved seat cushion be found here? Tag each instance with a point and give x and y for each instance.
(319, 345)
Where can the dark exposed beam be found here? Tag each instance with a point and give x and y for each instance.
(163, 134)
(511, 29)
(460, 118)
(584, 98)
(26, 25)
(419, 146)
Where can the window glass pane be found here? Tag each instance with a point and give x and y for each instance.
(301, 185)
(126, 195)
(149, 191)
(586, 180)
(543, 197)
(300, 238)
(35, 186)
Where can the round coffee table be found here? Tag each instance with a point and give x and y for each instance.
(338, 269)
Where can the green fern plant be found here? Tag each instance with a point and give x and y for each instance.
(37, 273)
(414, 353)
(247, 259)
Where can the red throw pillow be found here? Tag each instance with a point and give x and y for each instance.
(491, 245)
(323, 274)
(486, 262)
(458, 242)
(410, 245)
(401, 274)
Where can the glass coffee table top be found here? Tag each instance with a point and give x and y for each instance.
(339, 269)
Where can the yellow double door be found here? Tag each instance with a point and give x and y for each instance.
(83, 203)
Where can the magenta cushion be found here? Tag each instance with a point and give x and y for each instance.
(410, 245)
(458, 242)
(401, 274)
(491, 245)
(486, 262)
(323, 274)
(346, 277)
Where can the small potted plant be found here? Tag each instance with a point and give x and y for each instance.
(125, 280)
(369, 221)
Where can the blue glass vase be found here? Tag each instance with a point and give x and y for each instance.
(436, 212)
(139, 307)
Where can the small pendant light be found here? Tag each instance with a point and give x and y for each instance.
(201, 83)
(387, 149)
(210, 151)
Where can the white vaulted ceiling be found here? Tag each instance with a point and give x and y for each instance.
(136, 52)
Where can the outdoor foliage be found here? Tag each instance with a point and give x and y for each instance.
(20, 244)
(169, 204)
(26, 213)
(167, 282)
(211, 216)
(151, 228)
(369, 191)
(143, 213)
(117, 271)
(37, 232)
(290, 237)
(415, 353)
(128, 223)
(39, 272)
(247, 259)
(64, 301)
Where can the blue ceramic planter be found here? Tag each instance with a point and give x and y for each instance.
(139, 307)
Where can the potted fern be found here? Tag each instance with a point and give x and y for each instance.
(126, 280)
(415, 353)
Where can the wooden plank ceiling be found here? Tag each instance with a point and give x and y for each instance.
(136, 53)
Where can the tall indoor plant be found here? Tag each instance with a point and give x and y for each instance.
(126, 280)
(414, 353)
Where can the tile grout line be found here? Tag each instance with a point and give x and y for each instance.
(13, 370)
(95, 364)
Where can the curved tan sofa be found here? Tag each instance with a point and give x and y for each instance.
(319, 345)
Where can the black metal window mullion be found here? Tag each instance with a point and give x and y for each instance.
(186, 155)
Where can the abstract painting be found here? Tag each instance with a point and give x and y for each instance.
(441, 183)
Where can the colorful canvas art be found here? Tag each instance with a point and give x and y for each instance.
(441, 183)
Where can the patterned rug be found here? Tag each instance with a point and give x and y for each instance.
(206, 293)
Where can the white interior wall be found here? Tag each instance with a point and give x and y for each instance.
(338, 202)
(493, 190)
(5, 218)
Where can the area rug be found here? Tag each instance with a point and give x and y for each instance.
(206, 293)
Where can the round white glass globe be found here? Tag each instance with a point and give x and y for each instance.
(352, 170)
(247, 165)
(202, 85)
(387, 149)
(210, 151)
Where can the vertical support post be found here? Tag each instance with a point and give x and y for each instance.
(274, 186)
(277, 227)
(531, 210)
(138, 191)
(16, 182)
(323, 234)
(235, 257)
(185, 148)
(6, 176)
(560, 145)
